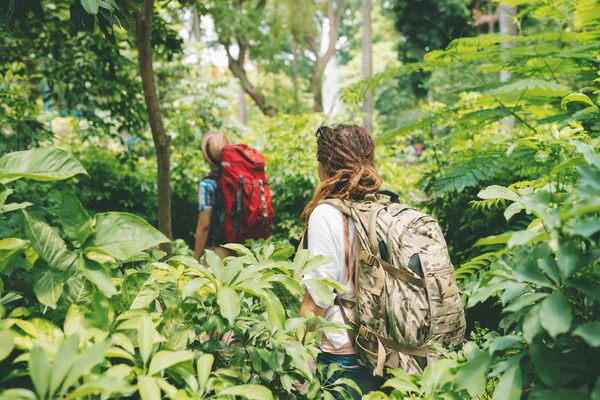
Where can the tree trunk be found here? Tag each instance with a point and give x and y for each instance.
(242, 105)
(491, 21)
(317, 87)
(295, 74)
(367, 62)
(255, 94)
(162, 142)
(507, 27)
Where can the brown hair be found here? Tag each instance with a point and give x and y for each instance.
(347, 153)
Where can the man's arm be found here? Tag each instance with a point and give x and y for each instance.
(202, 230)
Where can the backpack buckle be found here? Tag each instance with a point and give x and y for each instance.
(366, 333)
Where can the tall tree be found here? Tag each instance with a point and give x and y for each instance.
(367, 61)
(334, 14)
(237, 24)
(162, 142)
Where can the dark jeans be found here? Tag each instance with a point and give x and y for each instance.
(363, 378)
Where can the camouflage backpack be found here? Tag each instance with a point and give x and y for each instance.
(406, 294)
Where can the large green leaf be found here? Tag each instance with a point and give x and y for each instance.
(84, 363)
(275, 310)
(139, 290)
(47, 243)
(48, 287)
(43, 164)
(589, 332)
(90, 6)
(165, 359)
(78, 290)
(75, 220)
(7, 343)
(103, 385)
(526, 89)
(123, 235)
(472, 376)
(510, 385)
(546, 363)
(555, 314)
(64, 359)
(148, 388)
(229, 304)
(145, 337)
(9, 249)
(203, 369)
(39, 370)
(97, 274)
(250, 392)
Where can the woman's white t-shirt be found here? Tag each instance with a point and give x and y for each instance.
(326, 238)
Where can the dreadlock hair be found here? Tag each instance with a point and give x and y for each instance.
(346, 152)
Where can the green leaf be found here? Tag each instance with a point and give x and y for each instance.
(39, 370)
(526, 89)
(555, 314)
(472, 375)
(323, 292)
(9, 249)
(145, 336)
(283, 254)
(510, 385)
(123, 235)
(577, 97)
(250, 392)
(74, 219)
(524, 301)
(124, 342)
(18, 394)
(550, 268)
(495, 239)
(498, 192)
(405, 386)
(165, 359)
(42, 164)
(7, 343)
(313, 263)
(84, 363)
(47, 243)
(97, 274)
(148, 388)
(90, 6)
(229, 304)
(78, 290)
(215, 264)
(504, 343)
(567, 258)
(589, 332)
(103, 385)
(203, 368)
(139, 290)
(289, 283)
(193, 286)
(48, 287)
(546, 363)
(64, 359)
(300, 260)
(238, 248)
(525, 237)
(529, 275)
(275, 310)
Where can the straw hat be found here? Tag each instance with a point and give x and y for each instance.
(212, 145)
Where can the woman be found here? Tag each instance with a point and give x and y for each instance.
(347, 171)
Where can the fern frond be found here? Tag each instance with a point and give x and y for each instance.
(471, 172)
(487, 204)
(475, 266)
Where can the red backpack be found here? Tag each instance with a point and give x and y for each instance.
(246, 194)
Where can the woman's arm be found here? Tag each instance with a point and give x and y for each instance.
(202, 230)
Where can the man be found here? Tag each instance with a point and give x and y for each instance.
(211, 213)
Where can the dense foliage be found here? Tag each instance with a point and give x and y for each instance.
(510, 168)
